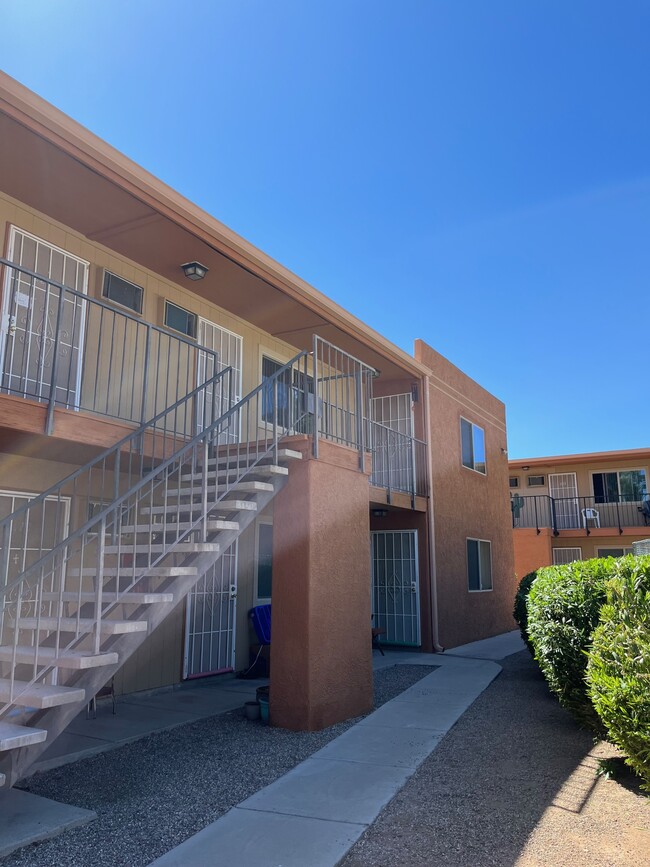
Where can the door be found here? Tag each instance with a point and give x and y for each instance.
(395, 586)
(210, 619)
(29, 321)
(563, 488)
(228, 348)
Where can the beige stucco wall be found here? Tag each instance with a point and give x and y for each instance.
(583, 473)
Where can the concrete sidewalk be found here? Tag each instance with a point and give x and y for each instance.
(316, 812)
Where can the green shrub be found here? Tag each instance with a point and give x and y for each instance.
(563, 611)
(618, 672)
(520, 612)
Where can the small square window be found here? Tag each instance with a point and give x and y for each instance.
(472, 440)
(121, 292)
(536, 481)
(479, 565)
(514, 481)
(180, 319)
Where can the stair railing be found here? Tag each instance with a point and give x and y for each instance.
(125, 488)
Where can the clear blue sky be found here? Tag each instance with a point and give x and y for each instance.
(472, 172)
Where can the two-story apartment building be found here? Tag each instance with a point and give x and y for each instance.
(188, 430)
(575, 507)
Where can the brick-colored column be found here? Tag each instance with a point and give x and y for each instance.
(321, 656)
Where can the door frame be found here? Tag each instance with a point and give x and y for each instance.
(417, 615)
(4, 313)
(574, 497)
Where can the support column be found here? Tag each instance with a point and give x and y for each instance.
(321, 655)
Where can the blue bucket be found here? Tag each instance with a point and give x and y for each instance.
(264, 708)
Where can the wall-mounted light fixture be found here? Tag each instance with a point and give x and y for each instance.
(379, 513)
(194, 270)
(525, 468)
(504, 452)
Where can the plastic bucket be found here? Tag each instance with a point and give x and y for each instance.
(264, 708)
(252, 709)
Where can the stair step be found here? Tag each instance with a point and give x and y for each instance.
(75, 659)
(196, 491)
(13, 736)
(264, 470)
(128, 571)
(184, 525)
(108, 596)
(186, 509)
(85, 625)
(243, 460)
(179, 548)
(39, 695)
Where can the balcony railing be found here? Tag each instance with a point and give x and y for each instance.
(63, 348)
(578, 513)
(398, 461)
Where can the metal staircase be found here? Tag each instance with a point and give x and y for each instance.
(149, 517)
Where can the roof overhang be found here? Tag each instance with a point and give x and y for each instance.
(586, 458)
(58, 167)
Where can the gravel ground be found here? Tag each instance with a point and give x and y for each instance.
(151, 795)
(513, 783)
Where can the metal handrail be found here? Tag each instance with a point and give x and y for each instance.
(568, 513)
(193, 450)
(129, 334)
(408, 473)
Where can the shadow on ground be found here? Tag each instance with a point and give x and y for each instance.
(514, 767)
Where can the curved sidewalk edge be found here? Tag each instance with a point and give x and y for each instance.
(316, 812)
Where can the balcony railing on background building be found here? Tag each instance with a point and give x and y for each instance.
(578, 513)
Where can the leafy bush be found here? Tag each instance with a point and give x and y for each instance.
(618, 672)
(520, 612)
(563, 611)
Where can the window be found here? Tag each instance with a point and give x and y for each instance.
(180, 319)
(290, 391)
(472, 439)
(122, 292)
(536, 481)
(479, 564)
(623, 486)
(562, 556)
(514, 481)
(264, 577)
(613, 552)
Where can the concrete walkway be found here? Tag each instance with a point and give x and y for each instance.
(316, 812)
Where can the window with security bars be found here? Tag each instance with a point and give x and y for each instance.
(562, 556)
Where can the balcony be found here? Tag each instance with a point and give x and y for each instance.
(580, 514)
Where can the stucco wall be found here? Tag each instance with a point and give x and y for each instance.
(468, 504)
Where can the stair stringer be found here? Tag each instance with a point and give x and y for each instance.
(15, 764)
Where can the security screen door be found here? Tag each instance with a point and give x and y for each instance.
(228, 347)
(29, 318)
(210, 619)
(563, 487)
(395, 586)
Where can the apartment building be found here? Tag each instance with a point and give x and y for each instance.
(188, 430)
(575, 507)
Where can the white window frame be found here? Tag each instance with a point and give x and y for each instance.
(618, 472)
(259, 600)
(185, 310)
(566, 548)
(460, 432)
(626, 549)
(481, 589)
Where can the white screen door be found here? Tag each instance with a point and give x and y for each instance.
(228, 348)
(563, 487)
(29, 317)
(395, 586)
(210, 623)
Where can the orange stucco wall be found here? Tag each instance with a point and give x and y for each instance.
(321, 649)
(532, 551)
(468, 504)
